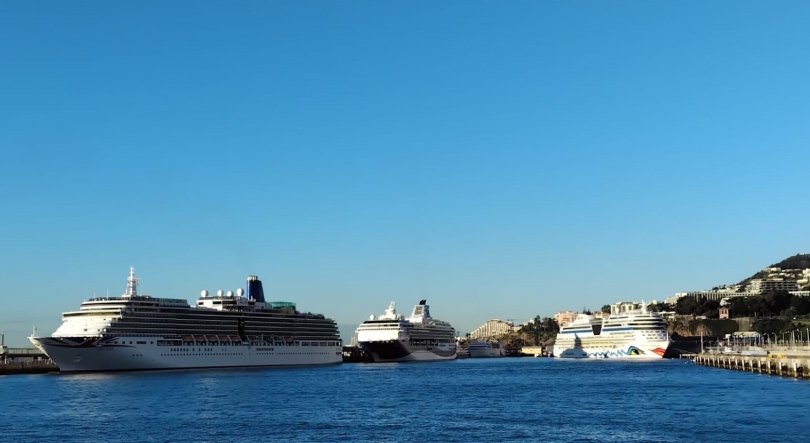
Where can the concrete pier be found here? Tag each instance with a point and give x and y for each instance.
(24, 361)
(783, 366)
(35, 367)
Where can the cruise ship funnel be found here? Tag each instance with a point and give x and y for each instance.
(254, 289)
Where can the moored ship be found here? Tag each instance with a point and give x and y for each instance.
(631, 334)
(482, 349)
(391, 337)
(140, 332)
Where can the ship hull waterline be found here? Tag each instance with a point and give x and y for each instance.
(144, 357)
(648, 351)
(397, 351)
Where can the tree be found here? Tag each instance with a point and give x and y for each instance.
(539, 330)
(769, 325)
(606, 309)
(660, 307)
(550, 325)
(533, 329)
(739, 306)
(686, 306)
(776, 301)
(705, 306)
(801, 305)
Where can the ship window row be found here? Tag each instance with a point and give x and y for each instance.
(152, 332)
(232, 353)
(230, 325)
(263, 329)
(142, 319)
(163, 332)
(660, 325)
(219, 319)
(311, 338)
(654, 322)
(296, 343)
(268, 340)
(221, 330)
(213, 313)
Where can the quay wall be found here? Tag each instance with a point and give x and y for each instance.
(41, 367)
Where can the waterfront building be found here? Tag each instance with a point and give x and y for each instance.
(564, 317)
(491, 329)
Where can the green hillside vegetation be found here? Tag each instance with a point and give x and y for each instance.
(798, 261)
(540, 330)
(774, 312)
(535, 333)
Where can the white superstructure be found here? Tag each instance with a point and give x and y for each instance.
(139, 332)
(419, 337)
(636, 334)
(482, 348)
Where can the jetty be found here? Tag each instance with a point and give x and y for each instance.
(783, 361)
(24, 360)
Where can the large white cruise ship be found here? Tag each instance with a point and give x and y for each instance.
(139, 332)
(392, 337)
(632, 334)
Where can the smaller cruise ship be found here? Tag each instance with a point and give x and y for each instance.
(629, 332)
(482, 348)
(392, 337)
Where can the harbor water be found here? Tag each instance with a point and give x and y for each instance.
(469, 400)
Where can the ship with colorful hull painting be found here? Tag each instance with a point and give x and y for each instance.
(632, 334)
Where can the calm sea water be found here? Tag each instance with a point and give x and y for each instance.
(470, 400)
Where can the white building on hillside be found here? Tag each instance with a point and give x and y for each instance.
(564, 317)
(776, 284)
(491, 329)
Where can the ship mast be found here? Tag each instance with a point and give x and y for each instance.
(132, 284)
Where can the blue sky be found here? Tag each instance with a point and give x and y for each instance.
(501, 160)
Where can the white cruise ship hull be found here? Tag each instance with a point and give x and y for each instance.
(92, 356)
(485, 353)
(398, 351)
(648, 350)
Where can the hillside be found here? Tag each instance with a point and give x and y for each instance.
(798, 261)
